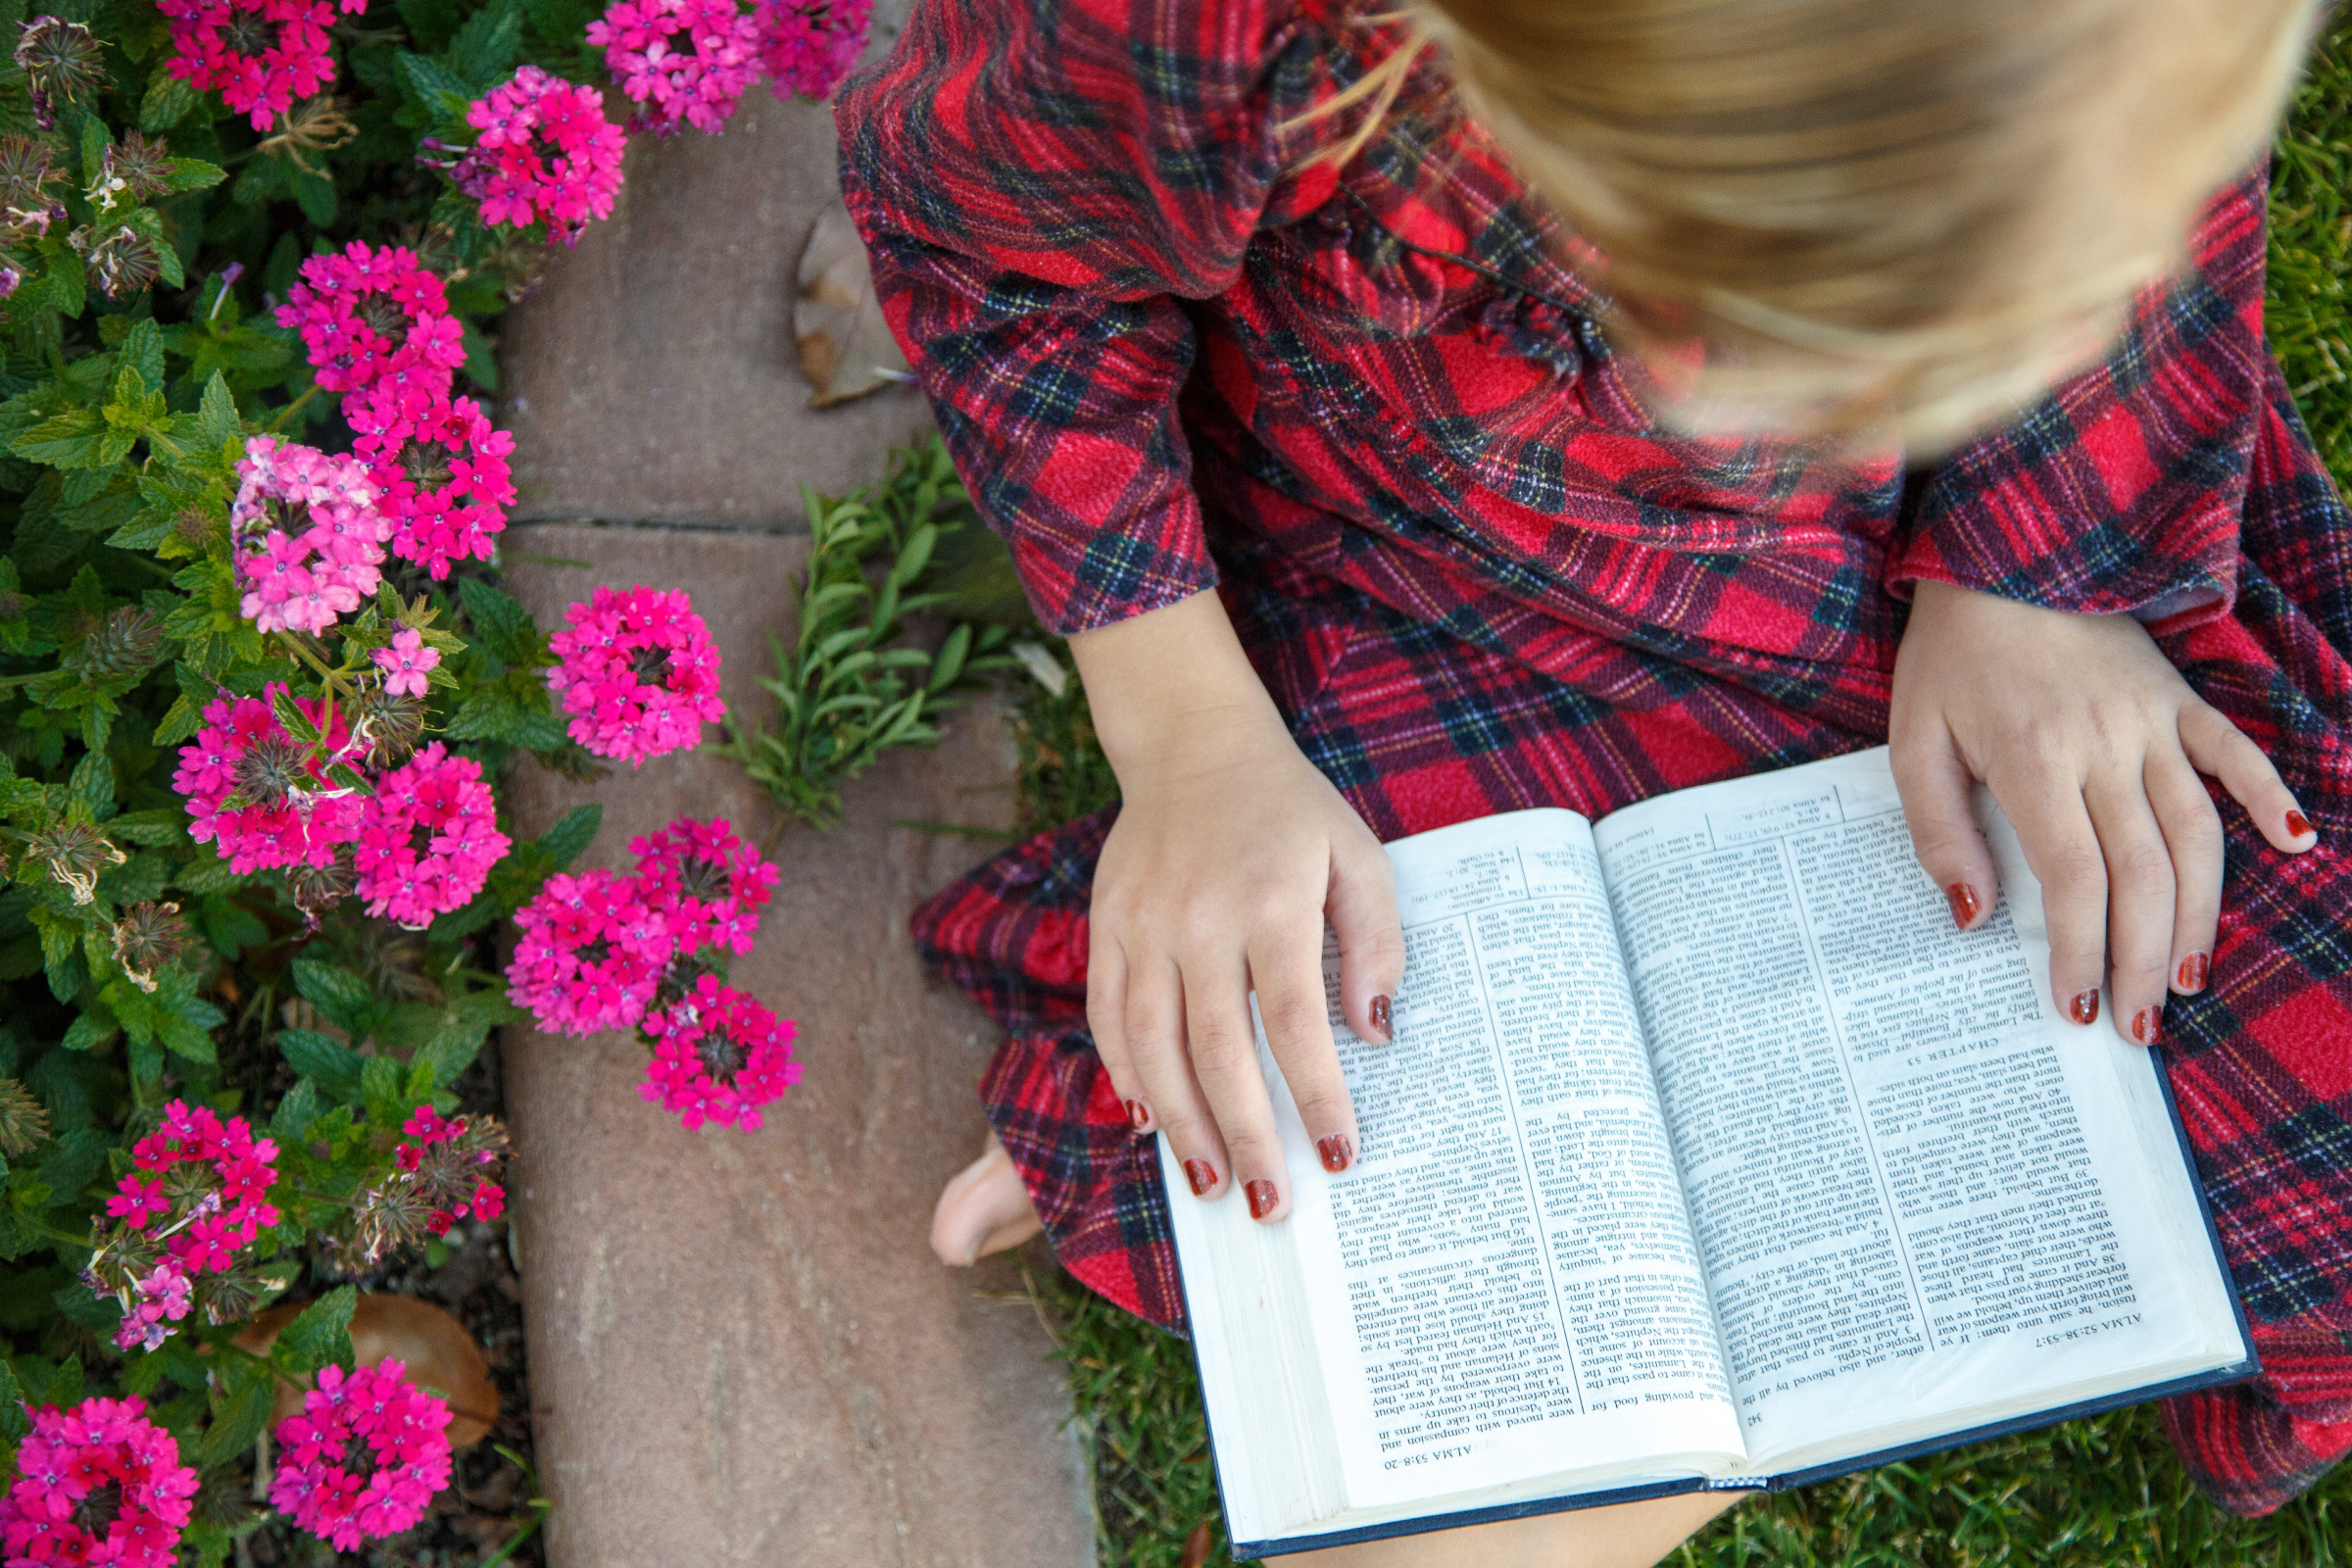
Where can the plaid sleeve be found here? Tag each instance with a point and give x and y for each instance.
(2121, 490)
(1041, 186)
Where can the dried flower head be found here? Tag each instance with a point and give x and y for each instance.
(385, 724)
(317, 887)
(125, 643)
(142, 167)
(63, 64)
(27, 169)
(121, 259)
(76, 851)
(313, 126)
(149, 937)
(23, 1120)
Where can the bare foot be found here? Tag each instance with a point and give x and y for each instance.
(984, 1208)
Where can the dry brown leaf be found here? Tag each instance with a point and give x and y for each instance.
(845, 347)
(434, 1347)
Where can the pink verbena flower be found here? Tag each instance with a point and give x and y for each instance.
(365, 1456)
(73, 1465)
(590, 955)
(156, 1299)
(306, 535)
(261, 54)
(374, 311)
(720, 1056)
(407, 664)
(808, 45)
(708, 882)
(428, 837)
(445, 1162)
(687, 62)
(441, 468)
(639, 673)
(261, 796)
(546, 152)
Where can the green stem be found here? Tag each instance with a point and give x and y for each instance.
(287, 413)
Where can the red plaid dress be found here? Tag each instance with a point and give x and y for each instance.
(1369, 404)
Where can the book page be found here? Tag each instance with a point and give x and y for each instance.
(1916, 1190)
(1505, 1283)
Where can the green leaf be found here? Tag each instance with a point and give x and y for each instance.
(343, 997)
(425, 79)
(93, 1028)
(572, 834)
(73, 439)
(295, 1112)
(289, 714)
(315, 194)
(167, 102)
(217, 421)
(320, 1335)
(334, 1068)
(483, 51)
(15, 1423)
(504, 626)
(191, 173)
(239, 1416)
(381, 1086)
(144, 350)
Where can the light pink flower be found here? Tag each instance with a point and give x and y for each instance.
(545, 153)
(428, 837)
(406, 662)
(306, 535)
(365, 1456)
(639, 673)
(808, 45)
(98, 1445)
(720, 1056)
(687, 61)
(441, 469)
(590, 953)
(261, 54)
(156, 1299)
(260, 795)
(367, 313)
(708, 882)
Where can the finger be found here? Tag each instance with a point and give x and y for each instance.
(1934, 784)
(1286, 970)
(2142, 897)
(1224, 1059)
(1154, 1022)
(1105, 1015)
(2192, 833)
(2220, 747)
(2054, 831)
(1362, 910)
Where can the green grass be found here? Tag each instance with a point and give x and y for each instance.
(2097, 1494)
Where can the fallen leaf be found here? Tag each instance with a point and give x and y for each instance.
(845, 347)
(434, 1347)
(1196, 1547)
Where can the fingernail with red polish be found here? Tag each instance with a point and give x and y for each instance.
(2298, 825)
(2192, 972)
(1380, 1016)
(2084, 1008)
(1201, 1174)
(1963, 898)
(1137, 1114)
(1338, 1154)
(1261, 1199)
(2147, 1024)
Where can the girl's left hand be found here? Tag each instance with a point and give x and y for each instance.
(2091, 743)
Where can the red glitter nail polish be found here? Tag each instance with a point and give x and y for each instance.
(1379, 1018)
(2193, 970)
(1338, 1154)
(1963, 899)
(2147, 1024)
(2297, 825)
(1263, 1199)
(2084, 1008)
(1201, 1174)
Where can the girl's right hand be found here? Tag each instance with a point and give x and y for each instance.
(1229, 854)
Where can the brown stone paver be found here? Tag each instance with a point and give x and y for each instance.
(741, 1350)
(651, 374)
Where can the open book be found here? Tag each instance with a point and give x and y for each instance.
(1707, 1155)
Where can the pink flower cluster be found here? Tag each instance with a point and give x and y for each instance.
(202, 1216)
(75, 1461)
(600, 950)
(309, 540)
(407, 664)
(808, 45)
(428, 839)
(428, 1127)
(687, 61)
(363, 1457)
(442, 468)
(546, 152)
(638, 673)
(718, 1056)
(262, 797)
(371, 313)
(261, 54)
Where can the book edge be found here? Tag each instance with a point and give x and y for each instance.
(1527, 1509)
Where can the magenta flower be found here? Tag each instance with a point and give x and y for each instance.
(250, 787)
(639, 673)
(707, 883)
(441, 468)
(719, 1058)
(687, 61)
(545, 153)
(428, 837)
(590, 953)
(73, 1465)
(365, 1456)
(371, 312)
(158, 1298)
(261, 54)
(808, 45)
(444, 1185)
(406, 662)
(308, 538)
(212, 1203)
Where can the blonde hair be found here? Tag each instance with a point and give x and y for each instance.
(1917, 212)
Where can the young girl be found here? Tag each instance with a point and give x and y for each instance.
(1512, 403)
